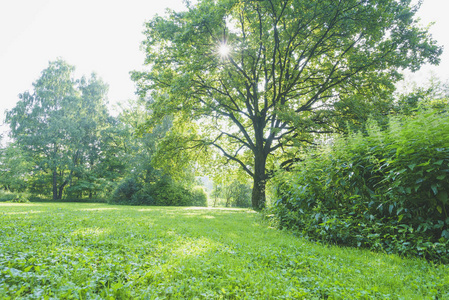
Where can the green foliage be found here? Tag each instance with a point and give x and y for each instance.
(386, 190)
(295, 69)
(435, 95)
(19, 200)
(170, 193)
(6, 196)
(98, 251)
(242, 195)
(235, 193)
(60, 130)
(15, 168)
(14, 197)
(199, 196)
(164, 192)
(143, 183)
(126, 190)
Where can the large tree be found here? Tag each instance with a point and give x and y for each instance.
(89, 145)
(58, 125)
(254, 79)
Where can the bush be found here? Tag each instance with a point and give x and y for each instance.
(14, 197)
(386, 190)
(199, 196)
(164, 192)
(7, 196)
(19, 200)
(125, 191)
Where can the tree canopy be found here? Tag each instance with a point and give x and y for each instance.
(59, 126)
(252, 79)
(66, 145)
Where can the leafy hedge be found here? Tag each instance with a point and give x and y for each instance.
(164, 192)
(385, 189)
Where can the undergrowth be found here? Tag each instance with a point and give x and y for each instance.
(385, 190)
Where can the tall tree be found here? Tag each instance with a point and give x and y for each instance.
(57, 124)
(254, 79)
(89, 144)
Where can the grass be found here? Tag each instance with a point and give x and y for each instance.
(99, 251)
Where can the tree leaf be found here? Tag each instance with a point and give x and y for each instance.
(434, 188)
(445, 234)
(438, 162)
(443, 197)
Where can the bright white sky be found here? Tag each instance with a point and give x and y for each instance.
(105, 36)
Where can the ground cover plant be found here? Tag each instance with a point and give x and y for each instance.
(101, 251)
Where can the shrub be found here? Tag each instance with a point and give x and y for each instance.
(19, 200)
(125, 191)
(164, 192)
(199, 196)
(7, 196)
(385, 190)
(14, 197)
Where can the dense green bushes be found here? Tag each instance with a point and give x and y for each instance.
(16, 197)
(385, 190)
(164, 192)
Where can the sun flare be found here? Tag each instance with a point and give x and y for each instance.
(224, 50)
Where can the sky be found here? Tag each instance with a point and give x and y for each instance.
(101, 36)
(104, 36)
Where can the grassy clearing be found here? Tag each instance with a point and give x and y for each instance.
(99, 251)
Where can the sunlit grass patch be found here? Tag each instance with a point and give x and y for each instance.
(215, 208)
(98, 209)
(23, 212)
(194, 247)
(89, 232)
(89, 251)
(15, 204)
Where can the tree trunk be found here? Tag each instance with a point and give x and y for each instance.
(55, 185)
(61, 189)
(258, 198)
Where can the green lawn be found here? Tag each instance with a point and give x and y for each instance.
(99, 251)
